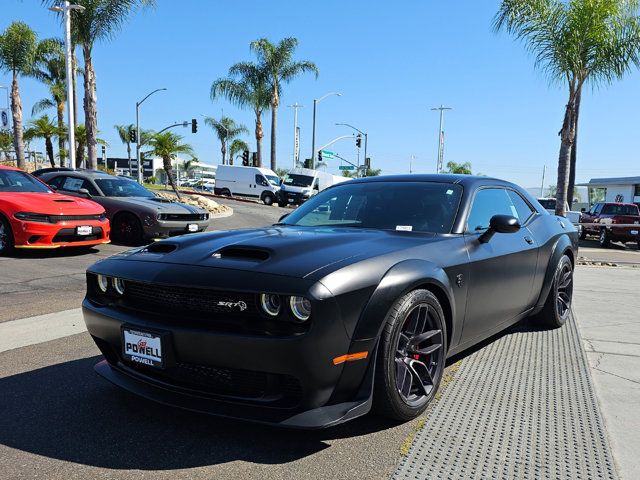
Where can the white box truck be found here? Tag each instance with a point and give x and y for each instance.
(302, 183)
(253, 182)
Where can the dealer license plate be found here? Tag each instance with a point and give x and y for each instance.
(142, 347)
(84, 230)
(192, 227)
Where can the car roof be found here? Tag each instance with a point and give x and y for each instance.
(93, 174)
(4, 167)
(466, 181)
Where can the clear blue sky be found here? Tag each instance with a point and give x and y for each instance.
(392, 61)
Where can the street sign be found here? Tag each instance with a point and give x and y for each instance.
(347, 167)
(327, 153)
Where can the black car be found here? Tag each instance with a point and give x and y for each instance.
(351, 302)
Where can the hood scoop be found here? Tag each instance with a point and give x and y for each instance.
(64, 200)
(242, 253)
(161, 248)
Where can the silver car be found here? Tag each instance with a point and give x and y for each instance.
(136, 214)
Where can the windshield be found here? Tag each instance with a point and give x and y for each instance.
(273, 180)
(613, 209)
(119, 187)
(405, 206)
(16, 181)
(296, 180)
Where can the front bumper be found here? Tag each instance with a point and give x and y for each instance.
(36, 235)
(292, 198)
(323, 394)
(166, 228)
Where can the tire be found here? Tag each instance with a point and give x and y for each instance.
(127, 229)
(6, 237)
(557, 307)
(604, 239)
(268, 199)
(406, 376)
(225, 192)
(582, 233)
(282, 203)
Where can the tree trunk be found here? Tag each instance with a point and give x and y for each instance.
(48, 144)
(16, 111)
(223, 149)
(259, 135)
(574, 152)
(231, 154)
(61, 150)
(90, 114)
(168, 168)
(564, 158)
(274, 128)
(79, 153)
(129, 156)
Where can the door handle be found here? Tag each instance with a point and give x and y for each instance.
(529, 240)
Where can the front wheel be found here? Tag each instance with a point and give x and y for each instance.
(604, 239)
(268, 199)
(6, 237)
(127, 230)
(582, 232)
(411, 356)
(557, 307)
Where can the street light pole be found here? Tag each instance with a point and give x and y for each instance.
(140, 179)
(296, 137)
(66, 11)
(313, 132)
(440, 163)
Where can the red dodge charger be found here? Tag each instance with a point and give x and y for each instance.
(34, 216)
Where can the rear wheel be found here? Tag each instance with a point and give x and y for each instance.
(6, 237)
(225, 192)
(411, 356)
(127, 229)
(604, 239)
(557, 307)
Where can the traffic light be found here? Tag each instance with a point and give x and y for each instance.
(307, 163)
(359, 141)
(245, 158)
(367, 163)
(104, 150)
(319, 156)
(133, 136)
(194, 125)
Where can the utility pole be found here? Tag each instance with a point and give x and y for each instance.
(544, 169)
(66, 12)
(296, 134)
(140, 176)
(411, 159)
(440, 163)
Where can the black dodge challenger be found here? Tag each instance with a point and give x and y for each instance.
(350, 303)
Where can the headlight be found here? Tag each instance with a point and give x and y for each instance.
(118, 285)
(301, 308)
(270, 304)
(103, 283)
(102, 217)
(33, 217)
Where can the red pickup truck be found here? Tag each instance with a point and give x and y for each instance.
(605, 216)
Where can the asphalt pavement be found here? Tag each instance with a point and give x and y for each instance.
(35, 282)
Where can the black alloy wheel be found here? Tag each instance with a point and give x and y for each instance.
(127, 229)
(6, 237)
(557, 307)
(411, 356)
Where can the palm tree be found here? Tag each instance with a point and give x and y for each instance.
(246, 86)
(236, 147)
(279, 66)
(99, 20)
(168, 145)
(6, 142)
(577, 42)
(81, 145)
(18, 52)
(51, 70)
(226, 129)
(123, 134)
(453, 167)
(43, 127)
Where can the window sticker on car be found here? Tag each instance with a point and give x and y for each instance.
(449, 192)
(404, 228)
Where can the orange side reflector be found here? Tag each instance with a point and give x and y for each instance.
(350, 357)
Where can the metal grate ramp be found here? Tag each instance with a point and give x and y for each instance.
(522, 407)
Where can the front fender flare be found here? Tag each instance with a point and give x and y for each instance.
(562, 244)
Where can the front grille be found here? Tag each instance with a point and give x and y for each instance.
(183, 216)
(169, 299)
(73, 218)
(283, 390)
(68, 235)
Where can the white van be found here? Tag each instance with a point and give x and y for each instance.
(252, 182)
(302, 183)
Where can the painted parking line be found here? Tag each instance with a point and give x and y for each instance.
(39, 329)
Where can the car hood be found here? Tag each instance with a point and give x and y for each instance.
(279, 250)
(158, 204)
(51, 203)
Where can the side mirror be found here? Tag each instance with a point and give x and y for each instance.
(500, 224)
(582, 210)
(85, 192)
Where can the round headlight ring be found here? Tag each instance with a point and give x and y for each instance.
(118, 285)
(270, 304)
(103, 283)
(300, 308)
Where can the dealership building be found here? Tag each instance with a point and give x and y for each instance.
(618, 189)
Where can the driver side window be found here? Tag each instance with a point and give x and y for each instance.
(260, 180)
(487, 203)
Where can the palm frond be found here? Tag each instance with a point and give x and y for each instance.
(41, 106)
